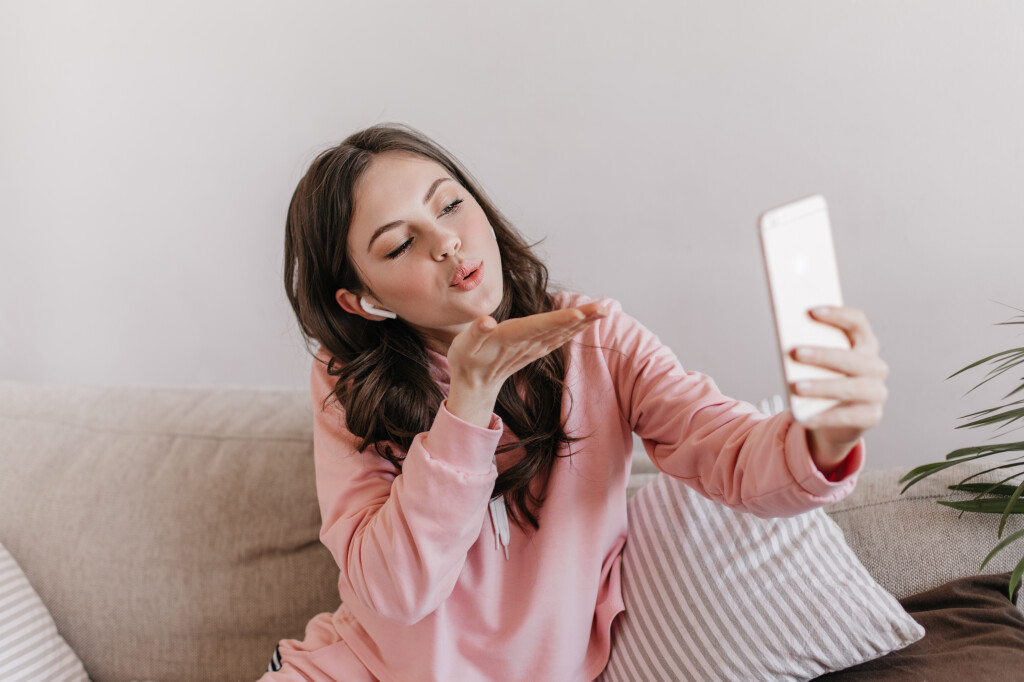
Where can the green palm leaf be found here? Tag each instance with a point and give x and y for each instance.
(926, 470)
(986, 449)
(987, 506)
(985, 488)
(1015, 578)
(1018, 570)
(1005, 498)
(998, 548)
(1011, 415)
(991, 409)
(984, 360)
(1009, 505)
(1011, 465)
(1015, 357)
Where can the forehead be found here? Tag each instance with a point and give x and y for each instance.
(393, 182)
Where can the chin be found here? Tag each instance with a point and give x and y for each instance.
(495, 302)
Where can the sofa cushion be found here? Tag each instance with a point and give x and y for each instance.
(172, 533)
(716, 594)
(909, 543)
(30, 646)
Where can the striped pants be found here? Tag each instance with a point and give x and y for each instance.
(321, 656)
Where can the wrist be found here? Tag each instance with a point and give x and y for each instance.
(473, 404)
(828, 457)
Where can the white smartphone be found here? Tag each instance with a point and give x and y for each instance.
(799, 258)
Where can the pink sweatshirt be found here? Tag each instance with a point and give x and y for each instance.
(427, 594)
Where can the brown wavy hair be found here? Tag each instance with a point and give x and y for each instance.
(382, 367)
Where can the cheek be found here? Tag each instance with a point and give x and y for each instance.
(411, 283)
(478, 221)
(394, 284)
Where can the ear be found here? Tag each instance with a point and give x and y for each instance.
(349, 302)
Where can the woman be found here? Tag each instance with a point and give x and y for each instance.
(448, 402)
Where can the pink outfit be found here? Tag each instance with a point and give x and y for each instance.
(426, 592)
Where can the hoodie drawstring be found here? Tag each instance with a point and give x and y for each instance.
(499, 521)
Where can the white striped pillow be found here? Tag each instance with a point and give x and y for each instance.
(716, 594)
(30, 647)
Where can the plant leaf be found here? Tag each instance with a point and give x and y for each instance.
(921, 472)
(1016, 356)
(991, 505)
(1011, 465)
(1012, 415)
(987, 449)
(1007, 364)
(1000, 546)
(984, 360)
(991, 409)
(985, 488)
(1010, 505)
(1015, 578)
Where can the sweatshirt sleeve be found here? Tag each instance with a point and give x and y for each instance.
(725, 449)
(399, 548)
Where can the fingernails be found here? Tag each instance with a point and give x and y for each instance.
(804, 353)
(821, 311)
(600, 312)
(488, 325)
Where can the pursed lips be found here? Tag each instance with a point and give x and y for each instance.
(464, 270)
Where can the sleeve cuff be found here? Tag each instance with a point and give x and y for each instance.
(463, 446)
(807, 474)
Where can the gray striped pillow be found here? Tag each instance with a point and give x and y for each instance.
(30, 647)
(716, 594)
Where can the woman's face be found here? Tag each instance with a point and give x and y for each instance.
(414, 231)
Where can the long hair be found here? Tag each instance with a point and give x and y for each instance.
(383, 383)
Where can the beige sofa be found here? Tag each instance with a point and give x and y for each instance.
(173, 532)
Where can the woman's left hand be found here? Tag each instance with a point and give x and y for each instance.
(861, 393)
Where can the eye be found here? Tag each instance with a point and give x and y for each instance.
(398, 252)
(447, 210)
(452, 207)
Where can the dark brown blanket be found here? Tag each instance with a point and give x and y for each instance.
(973, 633)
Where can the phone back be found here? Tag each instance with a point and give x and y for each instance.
(799, 257)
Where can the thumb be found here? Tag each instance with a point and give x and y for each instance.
(478, 332)
(486, 324)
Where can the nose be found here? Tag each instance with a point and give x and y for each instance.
(446, 246)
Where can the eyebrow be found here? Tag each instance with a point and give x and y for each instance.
(395, 223)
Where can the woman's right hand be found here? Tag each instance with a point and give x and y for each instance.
(486, 354)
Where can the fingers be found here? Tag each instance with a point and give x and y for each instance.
(526, 339)
(860, 360)
(852, 321)
(551, 336)
(592, 309)
(568, 328)
(862, 391)
(568, 317)
(850, 390)
(488, 352)
(552, 326)
(848, 362)
(861, 394)
(853, 417)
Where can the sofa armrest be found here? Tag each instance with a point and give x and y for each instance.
(908, 542)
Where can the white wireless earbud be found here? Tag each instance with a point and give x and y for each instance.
(375, 311)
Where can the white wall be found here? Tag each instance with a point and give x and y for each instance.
(148, 152)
